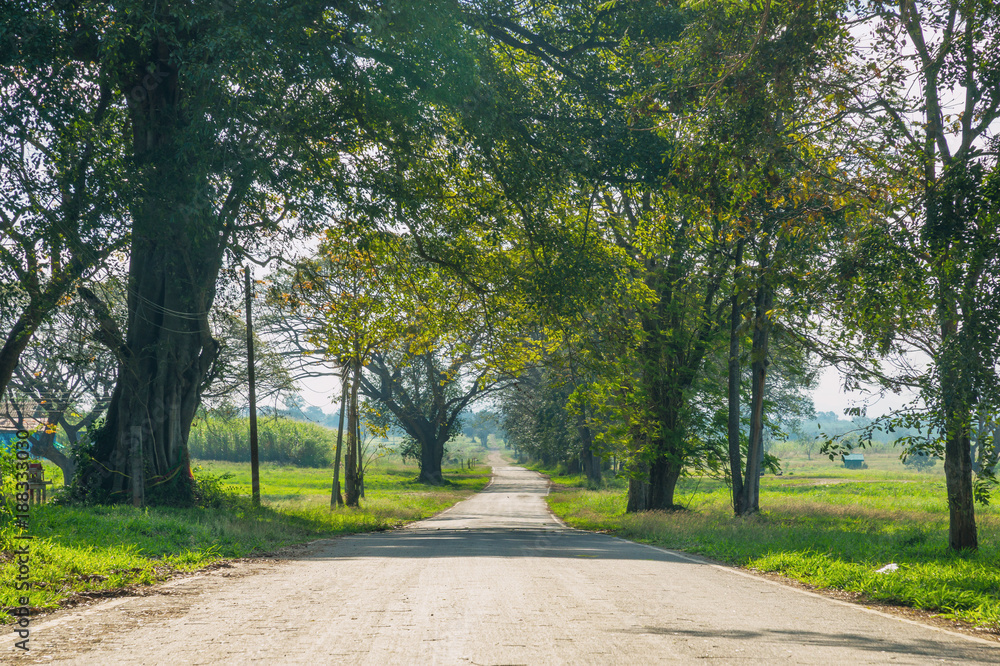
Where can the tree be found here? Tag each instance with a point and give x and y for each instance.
(480, 425)
(69, 375)
(63, 192)
(677, 253)
(342, 311)
(755, 145)
(536, 420)
(413, 337)
(426, 393)
(235, 117)
(928, 87)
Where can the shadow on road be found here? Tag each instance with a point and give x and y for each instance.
(832, 639)
(485, 542)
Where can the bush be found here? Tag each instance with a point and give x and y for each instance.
(920, 461)
(8, 497)
(279, 440)
(213, 491)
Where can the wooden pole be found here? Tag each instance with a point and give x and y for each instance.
(254, 462)
(135, 456)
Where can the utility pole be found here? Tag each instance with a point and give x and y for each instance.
(254, 463)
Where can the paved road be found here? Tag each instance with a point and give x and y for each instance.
(494, 580)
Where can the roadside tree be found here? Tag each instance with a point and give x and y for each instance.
(927, 84)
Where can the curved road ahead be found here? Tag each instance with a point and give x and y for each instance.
(493, 580)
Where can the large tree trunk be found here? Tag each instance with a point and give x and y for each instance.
(638, 489)
(663, 472)
(750, 502)
(431, 455)
(667, 449)
(962, 531)
(168, 351)
(663, 476)
(735, 378)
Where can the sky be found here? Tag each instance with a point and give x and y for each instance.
(829, 396)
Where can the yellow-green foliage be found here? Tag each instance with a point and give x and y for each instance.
(8, 495)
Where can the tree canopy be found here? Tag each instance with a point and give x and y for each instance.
(586, 214)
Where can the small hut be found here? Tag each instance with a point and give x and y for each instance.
(15, 416)
(854, 461)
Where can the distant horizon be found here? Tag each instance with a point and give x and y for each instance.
(828, 396)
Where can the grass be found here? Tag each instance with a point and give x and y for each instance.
(84, 552)
(827, 527)
(559, 477)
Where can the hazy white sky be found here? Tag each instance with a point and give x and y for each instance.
(828, 397)
(831, 397)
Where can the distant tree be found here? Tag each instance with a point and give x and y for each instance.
(535, 418)
(69, 375)
(426, 393)
(920, 460)
(480, 425)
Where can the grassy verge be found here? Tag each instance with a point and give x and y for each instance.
(85, 552)
(832, 532)
(559, 477)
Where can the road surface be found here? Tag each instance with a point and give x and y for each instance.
(496, 579)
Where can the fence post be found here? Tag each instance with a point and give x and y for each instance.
(135, 458)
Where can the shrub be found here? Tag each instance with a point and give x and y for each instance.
(278, 440)
(920, 461)
(213, 491)
(8, 497)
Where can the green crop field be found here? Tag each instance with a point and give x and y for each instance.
(825, 526)
(85, 552)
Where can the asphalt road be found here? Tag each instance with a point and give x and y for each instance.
(494, 580)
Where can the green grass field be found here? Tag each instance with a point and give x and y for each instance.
(81, 552)
(825, 526)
